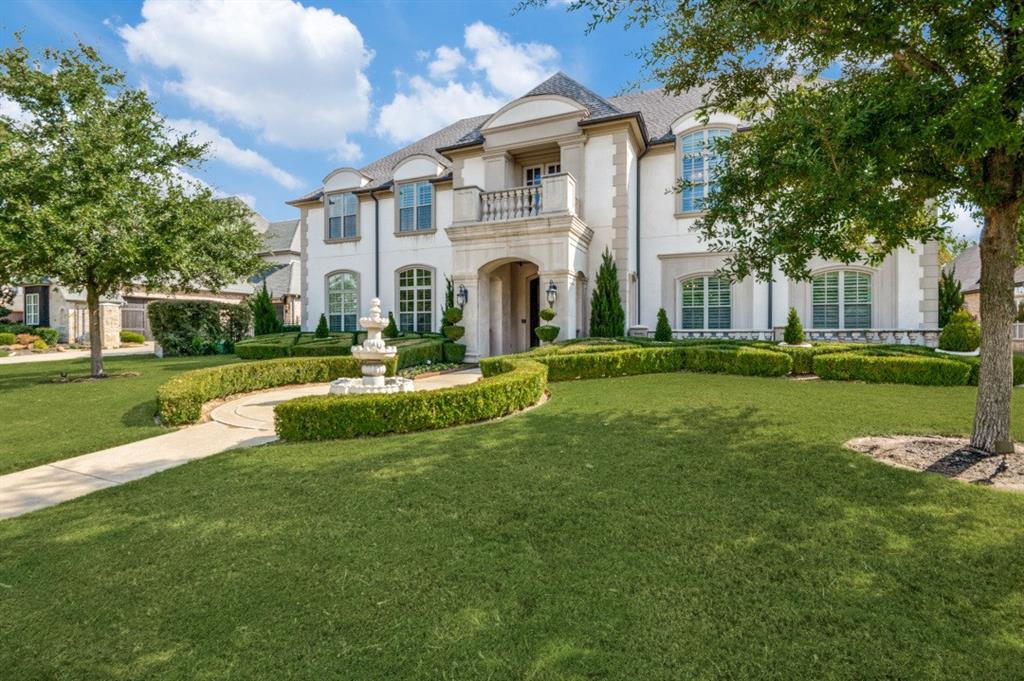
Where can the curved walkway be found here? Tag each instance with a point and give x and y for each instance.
(242, 422)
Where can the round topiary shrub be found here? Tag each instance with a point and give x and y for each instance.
(132, 337)
(547, 314)
(961, 333)
(453, 315)
(794, 333)
(546, 332)
(40, 345)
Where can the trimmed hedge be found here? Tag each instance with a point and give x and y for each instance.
(132, 337)
(420, 351)
(292, 344)
(454, 353)
(912, 369)
(513, 386)
(181, 399)
(6, 338)
(626, 361)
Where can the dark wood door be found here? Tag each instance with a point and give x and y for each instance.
(534, 310)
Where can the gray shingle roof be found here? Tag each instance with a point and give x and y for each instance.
(282, 279)
(281, 236)
(657, 111)
(966, 267)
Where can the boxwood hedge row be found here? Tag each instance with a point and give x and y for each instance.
(181, 399)
(912, 369)
(512, 386)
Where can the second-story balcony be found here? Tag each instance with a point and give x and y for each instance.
(554, 196)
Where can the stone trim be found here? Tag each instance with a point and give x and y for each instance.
(929, 284)
(620, 219)
(304, 264)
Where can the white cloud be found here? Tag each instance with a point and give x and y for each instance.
(446, 63)
(511, 68)
(12, 110)
(225, 150)
(429, 107)
(294, 74)
(192, 182)
(964, 223)
(504, 69)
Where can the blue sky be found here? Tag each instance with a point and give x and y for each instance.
(287, 91)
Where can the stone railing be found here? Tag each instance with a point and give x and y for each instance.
(556, 195)
(925, 337)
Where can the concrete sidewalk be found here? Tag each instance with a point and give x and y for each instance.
(242, 422)
(144, 349)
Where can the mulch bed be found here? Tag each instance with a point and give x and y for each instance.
(948, 456)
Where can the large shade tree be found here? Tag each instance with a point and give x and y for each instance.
(926, 109)
(94, 191)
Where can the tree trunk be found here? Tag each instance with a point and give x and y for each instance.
(95, 332)
(995, 382)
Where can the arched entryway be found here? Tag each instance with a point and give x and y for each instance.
(510, 301)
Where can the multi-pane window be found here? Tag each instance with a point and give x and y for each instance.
(415, 207)
(706, 303)
(342, 301)
(415, 300)
(841, 300)
(341, 216)
(699, 167)
(32, 309)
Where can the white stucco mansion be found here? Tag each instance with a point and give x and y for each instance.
(531, 195)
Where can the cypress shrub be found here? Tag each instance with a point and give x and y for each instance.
(607, 319)
(663, 330)
(951, 298)
(321, 327)
(264, 316)
(391, 330)
(794, 333)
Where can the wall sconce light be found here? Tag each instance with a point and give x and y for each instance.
(552, 292)
(462, 297)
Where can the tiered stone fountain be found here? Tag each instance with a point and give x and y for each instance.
(373, 354)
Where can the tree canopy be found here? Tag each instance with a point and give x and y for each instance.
(95, 191)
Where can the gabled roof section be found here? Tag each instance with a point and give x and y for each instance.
(659, 109)
(564, 86)
(282, 236)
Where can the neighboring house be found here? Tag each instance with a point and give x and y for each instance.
(48, 303)
(511, 203)
(966, 267)
(16, 307)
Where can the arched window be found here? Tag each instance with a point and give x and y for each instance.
(416, 299)
(706, 303)
(698, 166)
(342, 301)
(841, 300)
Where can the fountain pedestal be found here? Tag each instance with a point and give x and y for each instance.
(373, 354)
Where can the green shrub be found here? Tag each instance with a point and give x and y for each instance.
(420, 351)
(453, 314)
(454, 353)
(744, 361)
(181, 399)
(518, 385)
(197, 327)
(40, 345)
(6, 338)
(49, 335)
(391, 330)
(291, 328)
(547, 314)
(794, 333)
(322, 331)
(264, 316)
(663, 330)
(607, 318)
(803, 358)
(546, 332)
(961, 334)
(132, 337)
(453, 333)
(913, 369)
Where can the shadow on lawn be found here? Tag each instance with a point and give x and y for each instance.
(666, 541)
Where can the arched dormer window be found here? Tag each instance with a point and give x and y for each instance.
(706, 303)
(841, 299)
(698, 166)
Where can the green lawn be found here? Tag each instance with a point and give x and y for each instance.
(675, 526)
(45, 421)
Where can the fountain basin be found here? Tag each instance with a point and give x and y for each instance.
(380, 385)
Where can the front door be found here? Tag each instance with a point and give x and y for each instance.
(534, 310)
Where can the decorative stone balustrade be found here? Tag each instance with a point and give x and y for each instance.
(556, 195)
(926, 337)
